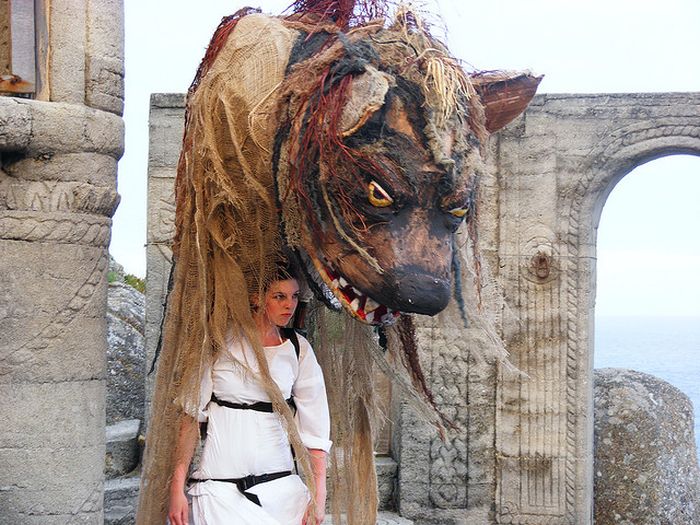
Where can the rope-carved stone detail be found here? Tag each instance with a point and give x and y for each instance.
(622, 149)
(56, 326)
(56, 196)
(62, 228)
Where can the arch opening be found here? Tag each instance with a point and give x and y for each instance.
(647, 312)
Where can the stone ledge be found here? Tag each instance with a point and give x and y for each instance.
(123, 430)
(44, 128)
(168, 100)
(383, 518)
(121, 496)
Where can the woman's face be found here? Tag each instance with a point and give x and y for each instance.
(281, 300)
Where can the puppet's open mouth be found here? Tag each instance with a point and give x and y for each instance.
(340, 293)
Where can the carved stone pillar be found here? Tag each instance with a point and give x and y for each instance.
(58, 164)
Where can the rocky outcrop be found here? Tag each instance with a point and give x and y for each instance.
(646, 466)
(126, 390)
(126, 357)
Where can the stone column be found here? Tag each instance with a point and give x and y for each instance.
(58, 164)
(166, 126)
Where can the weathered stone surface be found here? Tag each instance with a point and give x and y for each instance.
(51, 485)
(121, 497)
(387, 469)
(159, 257)
(383, 518)
(166, 126)
(43, 128)
(68, 42)
(646, 465)
(122, 455)
(126, 366)
(91, 168)
(104, 88)
(49, 309)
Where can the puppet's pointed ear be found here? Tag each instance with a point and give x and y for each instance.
(504, 95)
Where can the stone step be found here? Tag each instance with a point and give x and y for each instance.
(386, 481)
(383, 518)
(121, 496)
(122, 453)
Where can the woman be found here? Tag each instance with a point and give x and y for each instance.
(245, 473)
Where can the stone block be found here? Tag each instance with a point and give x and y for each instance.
(105, 56)
(49, 196)
(51, 485)
(646, 465)
(161, 209)
(121, 498)
(123, 451)
(52, 302)
(387, 470)
(105, 86)
(68, 42)
(166, 126)
(56, 127)
(54, 414)
(15, 124)
(92, 168)
(48, 278)
(65, 357)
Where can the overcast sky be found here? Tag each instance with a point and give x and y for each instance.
(587, 46)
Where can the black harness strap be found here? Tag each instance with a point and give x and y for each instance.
(259, 406)
(291, 334)
(247, 482)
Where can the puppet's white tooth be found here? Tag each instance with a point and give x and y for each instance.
(355, 304)
(356, 291)
(388, 318)
(343, 282)
(369, 317)
(371, 305)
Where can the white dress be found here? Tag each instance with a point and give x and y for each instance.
(244, 442)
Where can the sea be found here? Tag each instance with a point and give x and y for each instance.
(666, 347)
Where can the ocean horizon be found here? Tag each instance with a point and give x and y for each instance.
(665, 347)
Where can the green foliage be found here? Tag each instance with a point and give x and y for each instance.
(112, 276)
(135, 282)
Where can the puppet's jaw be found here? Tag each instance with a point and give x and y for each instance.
(341, 294)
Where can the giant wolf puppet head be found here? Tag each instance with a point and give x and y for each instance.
(358, 148)
(353, 143)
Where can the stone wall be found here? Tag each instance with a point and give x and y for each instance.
(525, 455)
(58, 165)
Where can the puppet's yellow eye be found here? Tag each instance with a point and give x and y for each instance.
(378, 196)
(460, 212)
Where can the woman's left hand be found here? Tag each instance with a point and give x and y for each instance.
(320, 511)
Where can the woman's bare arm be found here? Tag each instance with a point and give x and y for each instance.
(178, 510)
(318, 466)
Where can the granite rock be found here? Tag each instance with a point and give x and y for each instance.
(646, 466)
(126, 365)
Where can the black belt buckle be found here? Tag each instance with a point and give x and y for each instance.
(246, 483)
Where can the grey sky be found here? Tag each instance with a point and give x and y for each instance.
(590, 46)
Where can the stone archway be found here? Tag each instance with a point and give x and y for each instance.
(555, 168)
